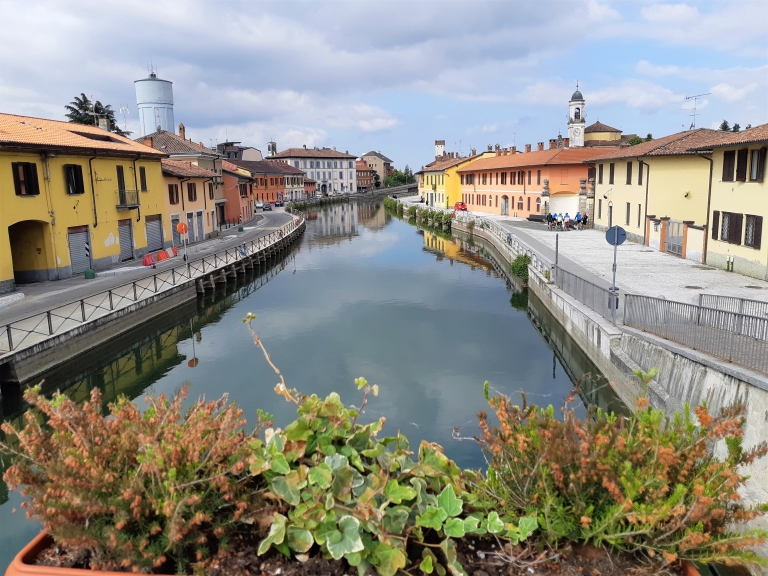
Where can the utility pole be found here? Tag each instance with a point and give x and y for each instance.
(695, 99)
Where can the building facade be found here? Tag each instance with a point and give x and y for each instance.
(364, 176)
(190, 200)
(233, 151)
(238, 192)
(333, 171)
(380, 164)
(75, 197)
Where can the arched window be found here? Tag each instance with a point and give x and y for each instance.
(538, 205)
(577, 114)
(520, 203)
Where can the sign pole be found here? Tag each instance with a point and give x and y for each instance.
(613, 289)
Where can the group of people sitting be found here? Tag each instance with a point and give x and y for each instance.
(566, 222)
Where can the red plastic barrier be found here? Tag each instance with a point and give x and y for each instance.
(162, 255)
(175, 251)
(149, 260)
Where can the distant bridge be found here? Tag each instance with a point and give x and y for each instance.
(403, 190)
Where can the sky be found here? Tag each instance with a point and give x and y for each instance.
(393, 76)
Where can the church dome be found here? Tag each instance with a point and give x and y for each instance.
(577, 96)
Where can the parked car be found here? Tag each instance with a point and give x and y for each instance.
(460, 206)
(259, 205)
(267, 206)
(279, 203)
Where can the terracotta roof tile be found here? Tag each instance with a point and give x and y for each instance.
(29, 132)
(378, 155)
(185, 169)
(756, 135)
(170, 143)
(440, 165)
(599, 127)
(312, 153)
(284, 167)
(553, 156)
(672, 145)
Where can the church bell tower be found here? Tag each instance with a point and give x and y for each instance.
(577, 119)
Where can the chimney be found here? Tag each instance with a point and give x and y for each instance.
(490, 147)
(540, 147)
(334, 148)
(565, 142)
(527, 147)
(104, 124)
(498, 152)
(474, 152)
(182, 131)
(148, 142)
(498, 147)
(552, 143)
(305, 146)
(513, 149)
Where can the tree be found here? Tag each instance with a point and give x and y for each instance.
(748, 126)
(725, 127)
(649, 137)
(397, 178)
(635, 141)
(82, 111)
(736, 127)
(376, 180)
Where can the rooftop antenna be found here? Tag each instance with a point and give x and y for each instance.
(124, 111)
(695, 101)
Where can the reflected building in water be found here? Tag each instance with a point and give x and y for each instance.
(373, 216)
(333, 224)
(456, 250)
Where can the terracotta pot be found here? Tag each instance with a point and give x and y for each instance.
(689, 569)
(22, 565)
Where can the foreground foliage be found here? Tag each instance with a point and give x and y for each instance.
(642, 484)
(519, 266)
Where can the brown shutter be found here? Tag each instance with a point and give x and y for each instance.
(629, 172)
(640, 172)
(31, 177)
(734, 232)
(715, 224)
(758, 232)
(741, 165)
(16, 180)
(761, 164)
(729, 159)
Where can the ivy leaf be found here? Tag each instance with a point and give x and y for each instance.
(432, 518)
(426, 565)
(321, 475)
(494, 525)
(336, 461)
(346, 539)
(396, 493)
(298, 430)
(258, 466)
(324, 530)
(287, 490)
(449, 549)
(342, 483)
(280, 464)
(454, 527)
(448, 501)
(298, 539)
(527, 526)
(472, 525)
(395, 519)
(390, 559)
(354, 559)
(276, 533)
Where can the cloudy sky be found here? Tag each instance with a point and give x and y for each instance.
(393, 76)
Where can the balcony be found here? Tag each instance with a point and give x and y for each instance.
(127, 199)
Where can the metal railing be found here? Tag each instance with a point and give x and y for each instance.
(127, 198)
(733, 304)
(56, 321)
(598, 298)
(730, 336)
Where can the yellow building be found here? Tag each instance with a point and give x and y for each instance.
(739, 203)
(74, 197)
(657, 191)
(439, 183)
(190, 199)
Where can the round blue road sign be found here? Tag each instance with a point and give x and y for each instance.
(615, 235)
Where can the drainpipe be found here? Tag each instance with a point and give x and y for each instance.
(645, 216)
(707, 231)
(93, 193)
(181, 191)
(136, 184)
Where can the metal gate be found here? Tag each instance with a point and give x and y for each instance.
(504, 206)
(79, 249)
(191, 226)
(674, 238)
(154, 233)
(200, 227)
(175, 230)
(125, 231)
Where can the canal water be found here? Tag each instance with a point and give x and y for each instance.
(425, 316)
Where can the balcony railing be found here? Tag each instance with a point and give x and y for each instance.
(127, 199)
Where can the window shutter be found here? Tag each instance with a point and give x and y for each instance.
(729, 158)
(31, 177)
(715, 223)
(737, 220)
(79, 178)
(629, 172)
(741, 165)
(640, 172)
(761, 164)
(758, 232)
(16, 181)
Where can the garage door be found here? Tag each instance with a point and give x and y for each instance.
(126, 239)
(154, 233)
(191, 227)
(79, 249)
(200, 227)
(175, 230)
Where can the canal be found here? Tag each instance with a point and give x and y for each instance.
(426, 316)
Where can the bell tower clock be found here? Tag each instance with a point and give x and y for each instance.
(576, 119)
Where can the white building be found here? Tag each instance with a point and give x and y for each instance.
(335, 172)
(577, 119)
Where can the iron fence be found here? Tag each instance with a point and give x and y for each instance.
(733, 304)
(598, 298)
(56, 321)
(730, 336)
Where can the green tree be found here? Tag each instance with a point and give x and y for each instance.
(635, 140)
(725, 126)
(377, 181)
(649, 137)
(736, 127)
(82, 111)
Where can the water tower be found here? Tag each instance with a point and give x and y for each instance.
(154, 98)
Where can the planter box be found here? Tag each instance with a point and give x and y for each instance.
(23, 565)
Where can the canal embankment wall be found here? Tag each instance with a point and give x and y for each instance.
(685, 375)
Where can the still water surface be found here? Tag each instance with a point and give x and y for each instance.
(428, 318)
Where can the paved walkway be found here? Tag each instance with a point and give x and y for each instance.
(43, 296)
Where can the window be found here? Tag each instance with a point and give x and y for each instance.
(191, 191)
(529, 203)
(730, 227)
(304, 163)
(629, 209)
(503, 178)
(729, 161)
(520, 203)
(497, 202)
(295, 163)
(741, 165)
(497, 178)
(611, 172)
(173, 193)
(462, 179)
(753, 231)
(600, 173)
(538, 177)
(640, 172)
(351, 175)
(629, 172)
(600, 208)
(210, 190)
(757, 167)
(120, 178)
(311, 163)
(335, 164)
(243, 190)
(512, 178)
(485, 177)
(143, 178)
(529, 177)
(538, 205)
(341, 175)
(73, 174)
(350, 164)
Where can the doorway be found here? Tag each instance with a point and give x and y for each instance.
(30, 248)
(674, 243)
(125, 233)
(79, 249)
(505, 206)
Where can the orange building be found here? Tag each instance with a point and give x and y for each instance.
(528, 184)
(310, 187)
(238, 191)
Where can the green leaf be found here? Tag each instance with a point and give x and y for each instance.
(397, 493)
(426, 565)
(448, 501)
(454, 527)
(321, 475)
(299, 539)
(494, 525)
(527, 526)
(390, 559)
(336, 461)
(276, 533)
(395, 519)
(280, 464)
(342, 483)
(432, 518)
(346, 539)
(286, 489)
(449, 549)
(258, 466)
(354, 559)
(324, 530)
(298, 430)
(472, 525)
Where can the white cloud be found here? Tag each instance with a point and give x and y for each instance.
(645, 67)
(669, 13)
(646, 96)
(490, 128)
(731, 93)
(597, 12)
